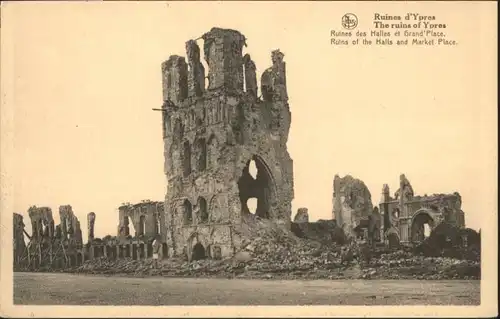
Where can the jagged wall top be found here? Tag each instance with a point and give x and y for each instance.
(227, 68)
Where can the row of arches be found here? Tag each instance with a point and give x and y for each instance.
(141, 228)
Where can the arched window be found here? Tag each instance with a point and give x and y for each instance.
(201, 154)
(187, 212)
(142, 225)
(202, 205)
(186, 161)
(212, 151)
(157, 224)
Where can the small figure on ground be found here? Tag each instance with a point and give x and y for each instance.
(156, 251)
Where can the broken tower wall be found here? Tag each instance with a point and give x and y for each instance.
(210, 139)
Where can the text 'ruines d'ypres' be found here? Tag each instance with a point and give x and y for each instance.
(409, 29)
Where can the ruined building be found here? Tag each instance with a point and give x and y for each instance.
(406, 214)
(42, 223)
(212, 132)
(353, 209)
(70, 225)
(146, 217)
(49, 245)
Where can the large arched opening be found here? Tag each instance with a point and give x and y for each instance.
(421, 226)
(257, 189)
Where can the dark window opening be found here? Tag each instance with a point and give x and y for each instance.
(164, 250)
(238, 125)
(201, 150)
(142, 225)
(198, 252)
(188, 212)
(187, 159)
(202, 205)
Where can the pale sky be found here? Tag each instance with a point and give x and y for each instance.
(85, 76)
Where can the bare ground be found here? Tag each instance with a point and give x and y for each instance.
(71, 289)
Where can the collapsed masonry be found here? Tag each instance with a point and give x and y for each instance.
(212, 134)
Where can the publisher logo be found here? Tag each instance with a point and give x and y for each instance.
(349, 21)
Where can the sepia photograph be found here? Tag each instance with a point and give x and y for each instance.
(248, 153)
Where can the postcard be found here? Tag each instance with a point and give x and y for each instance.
(248, 158)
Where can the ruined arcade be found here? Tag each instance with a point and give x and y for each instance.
(406, 214)
(212, 132)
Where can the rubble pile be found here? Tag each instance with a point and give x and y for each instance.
(275, 252)
(326, 265)
(323, 231)
(405, 265)
(447, 240)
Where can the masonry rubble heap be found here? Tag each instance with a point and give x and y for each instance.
(275, 252)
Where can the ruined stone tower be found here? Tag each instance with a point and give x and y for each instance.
(211, 135)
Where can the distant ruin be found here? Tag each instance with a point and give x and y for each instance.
(352, 206)
(405, 214)
(55, 246)
(212, 134)
(397, 220)
(146, 217)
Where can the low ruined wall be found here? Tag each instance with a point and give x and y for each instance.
(323, 231)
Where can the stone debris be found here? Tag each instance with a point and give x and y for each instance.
(275, 253)
(329, 264)
(323, 231)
